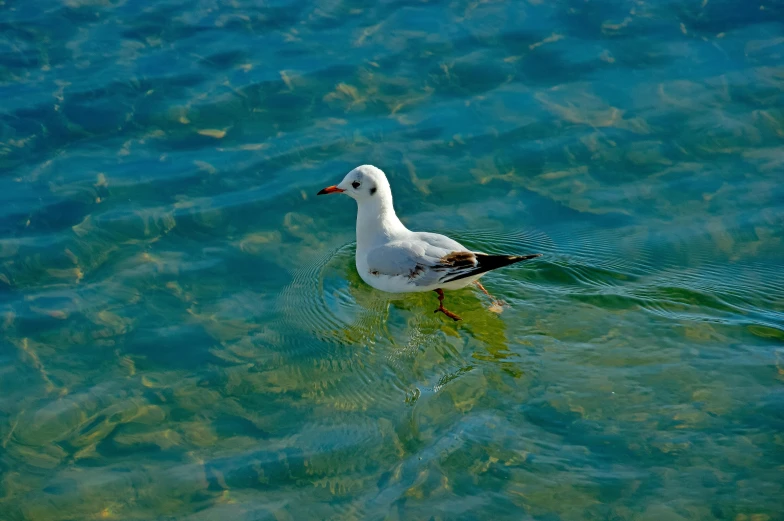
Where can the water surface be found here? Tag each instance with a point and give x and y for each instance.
(185, 336)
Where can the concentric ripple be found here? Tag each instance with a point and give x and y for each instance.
(327, 300)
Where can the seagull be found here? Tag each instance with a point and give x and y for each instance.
(392, 258)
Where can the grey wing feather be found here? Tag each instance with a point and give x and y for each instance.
(421, 261)
(394, 259)
(440, 241)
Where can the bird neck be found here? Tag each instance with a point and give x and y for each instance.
(377, 222)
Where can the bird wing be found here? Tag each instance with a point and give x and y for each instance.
(421, 262)
(427, 264)
(439, 241)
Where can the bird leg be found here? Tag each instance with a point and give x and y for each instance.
(495, 300)
(441, 307)
(482, 288)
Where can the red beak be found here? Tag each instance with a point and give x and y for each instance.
(330, 190)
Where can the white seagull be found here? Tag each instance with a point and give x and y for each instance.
(392, 258)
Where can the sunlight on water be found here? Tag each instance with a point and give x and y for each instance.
(185, 336)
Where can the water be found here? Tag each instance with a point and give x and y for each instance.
(185, 336)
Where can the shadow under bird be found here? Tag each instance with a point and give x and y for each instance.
(392, 258)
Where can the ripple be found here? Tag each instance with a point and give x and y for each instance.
(321, 304)
(510, 242)
(339, 324)
(617, 269)
(170, 354)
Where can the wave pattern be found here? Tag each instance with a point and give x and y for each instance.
(183, 334)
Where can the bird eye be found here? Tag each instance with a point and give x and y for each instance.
(355, 184)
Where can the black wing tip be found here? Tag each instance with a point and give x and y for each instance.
(504, 260)
(492, 262)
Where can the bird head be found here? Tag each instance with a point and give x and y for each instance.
(365, 182)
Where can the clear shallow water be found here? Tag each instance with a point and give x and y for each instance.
(184, 334)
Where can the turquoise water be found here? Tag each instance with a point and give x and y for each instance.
(184, 334)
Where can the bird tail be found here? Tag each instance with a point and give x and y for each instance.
(485, 263)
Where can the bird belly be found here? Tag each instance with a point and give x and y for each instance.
(398, 284)
(392, 284)
(405, 285)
